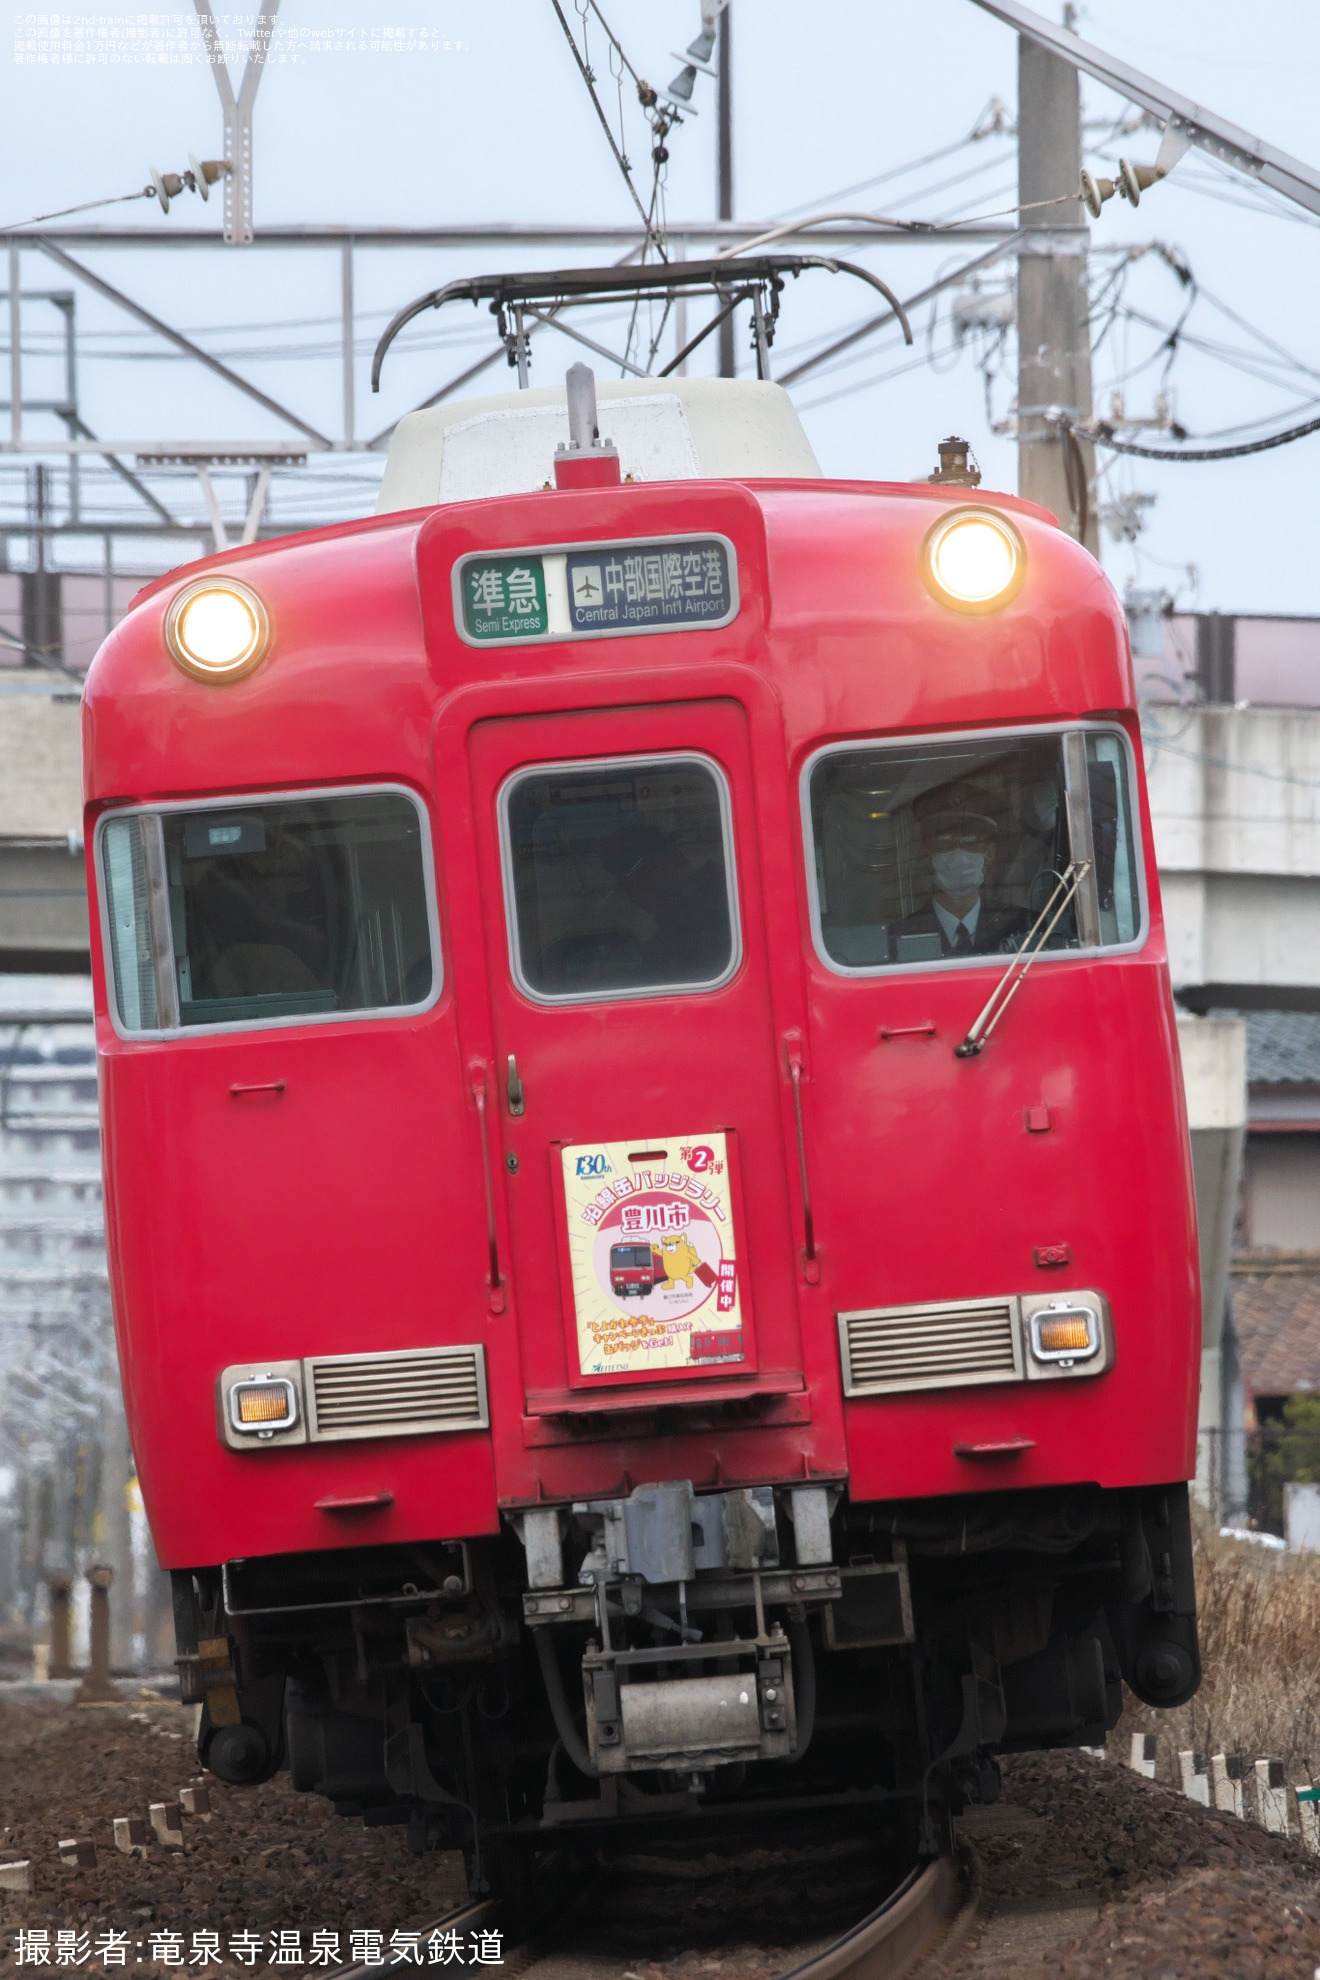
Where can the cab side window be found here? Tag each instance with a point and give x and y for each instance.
(296, 908)
(619, 878)
(936, 852)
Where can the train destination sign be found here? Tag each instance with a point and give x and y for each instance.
(596, 590)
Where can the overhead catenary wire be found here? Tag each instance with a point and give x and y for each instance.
(976, 171)
(1165, 353)
(62, 212)
(1156, 743)
(842, 215)
(881, 378)
(613, 38)
(1260, 365)
(625, 168)
(997, 126)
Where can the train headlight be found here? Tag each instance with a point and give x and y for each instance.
(263, 1405)
(974, 560)
(217, 629)
(1064, 1334)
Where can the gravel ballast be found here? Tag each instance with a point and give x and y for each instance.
(269, 1860)
(1087, 1872)
(1112, 1877)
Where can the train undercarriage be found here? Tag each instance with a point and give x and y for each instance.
(734, 1660)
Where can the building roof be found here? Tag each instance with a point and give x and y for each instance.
(1276, 1312)
(1283, 1047)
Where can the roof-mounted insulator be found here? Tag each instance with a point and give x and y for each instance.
(955, 468)
(587, 461)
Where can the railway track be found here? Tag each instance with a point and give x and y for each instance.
(1077, 1861)
(916, 1918)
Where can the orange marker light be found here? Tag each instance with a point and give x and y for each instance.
(1070, 1335)
(257, 1405)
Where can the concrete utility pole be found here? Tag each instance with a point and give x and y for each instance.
(1054, 337)
(724, 172)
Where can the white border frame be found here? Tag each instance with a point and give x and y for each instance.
(606, 763)
(914, 739)
(602, 544)
(249, 801)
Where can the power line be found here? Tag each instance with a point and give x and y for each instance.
(1223, 763)
(880, 378)
(61, 213)
(880, 179)
(1246, 362)
(1252, 331)
(1103, 436)
(1231, 192)
(944, 185)
(625, 168)
(997, 127)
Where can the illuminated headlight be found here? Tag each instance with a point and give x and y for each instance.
(1064, 1334)
(974, 560)
(263, 1405)
(217, 629)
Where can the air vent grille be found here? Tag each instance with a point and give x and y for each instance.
(397, 1395)
(930, 1347)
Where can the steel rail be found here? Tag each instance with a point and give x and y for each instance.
(891, 1940)
(888, 1943)
(482, 1912)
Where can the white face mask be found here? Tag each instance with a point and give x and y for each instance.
(1045, 805)
(957, 871)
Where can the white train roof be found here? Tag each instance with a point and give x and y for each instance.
(666, 429)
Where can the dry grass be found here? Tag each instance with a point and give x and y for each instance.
(1259, 1618)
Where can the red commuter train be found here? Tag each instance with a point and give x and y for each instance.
(721, 867)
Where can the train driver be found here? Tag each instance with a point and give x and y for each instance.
(958, 839)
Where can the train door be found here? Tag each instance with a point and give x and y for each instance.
(639, 1149)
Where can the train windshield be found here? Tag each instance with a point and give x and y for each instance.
(296, 908)
(935, 852)
(619, 878)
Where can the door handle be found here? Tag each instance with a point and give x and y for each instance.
(517, 1098)
(810, 1262)
(494, 1276)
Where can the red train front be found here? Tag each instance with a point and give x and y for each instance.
(620, 1324)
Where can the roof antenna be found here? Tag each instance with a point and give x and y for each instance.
(587, 461)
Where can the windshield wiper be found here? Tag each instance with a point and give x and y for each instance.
(1004, 991)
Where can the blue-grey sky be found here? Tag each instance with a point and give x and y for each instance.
(491, 122)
